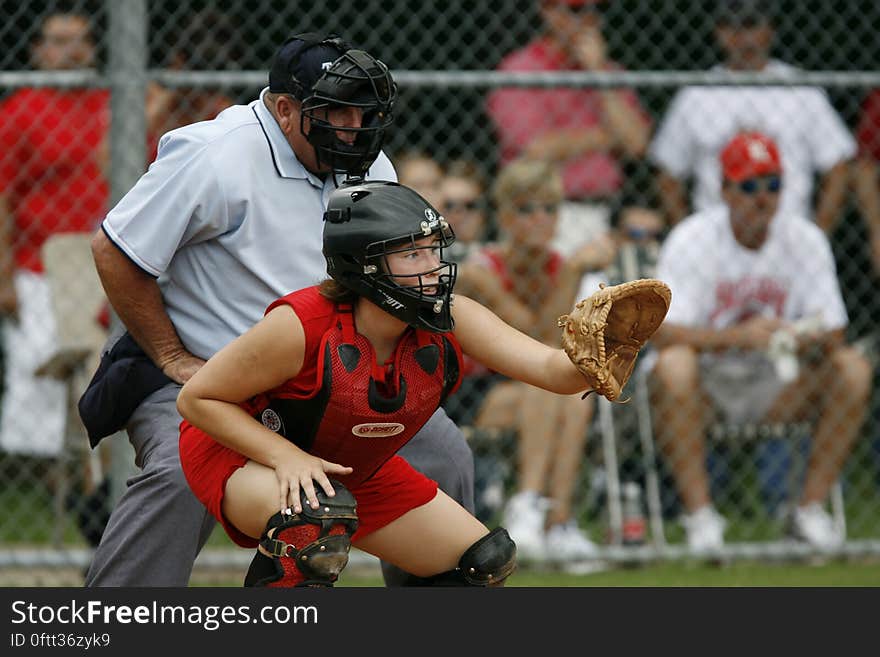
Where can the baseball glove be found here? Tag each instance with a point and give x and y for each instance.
(604, 333)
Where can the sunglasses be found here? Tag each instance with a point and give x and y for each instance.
(752, 186)
(642, 234)
(468, 206)
(534, 206)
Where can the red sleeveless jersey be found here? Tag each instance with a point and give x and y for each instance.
(343, 406)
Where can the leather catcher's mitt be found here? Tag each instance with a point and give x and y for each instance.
(604, 333)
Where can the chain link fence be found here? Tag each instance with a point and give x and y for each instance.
(630, 100)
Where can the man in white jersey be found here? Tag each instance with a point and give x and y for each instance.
(227, 219)
(755, 332)
(811, 136)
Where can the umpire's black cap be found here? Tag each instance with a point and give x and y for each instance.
(301, 60)
(743, 13)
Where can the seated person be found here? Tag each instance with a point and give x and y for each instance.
(749, 280)
(421, 172)
(463, 202)
(528, 284)
(591, 134)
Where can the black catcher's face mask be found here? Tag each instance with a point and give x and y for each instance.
(355, 80)
(422, 298)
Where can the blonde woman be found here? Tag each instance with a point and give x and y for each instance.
(528, 284)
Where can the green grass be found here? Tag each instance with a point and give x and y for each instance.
(28, 520)
(681, 574)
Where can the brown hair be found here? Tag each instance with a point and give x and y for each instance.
(334, 291)
(525, 178)
(467, 169)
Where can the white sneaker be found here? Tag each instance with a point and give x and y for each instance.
(814, 525)
(705, 529)
(566, 542)
(524, 520)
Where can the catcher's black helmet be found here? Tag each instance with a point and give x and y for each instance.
(364, 222)
(324, 72)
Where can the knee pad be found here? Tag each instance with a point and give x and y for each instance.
(308, 548)
(487, 562)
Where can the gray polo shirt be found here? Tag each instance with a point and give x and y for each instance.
(228, 220)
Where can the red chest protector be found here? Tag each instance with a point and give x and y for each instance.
(352, 416)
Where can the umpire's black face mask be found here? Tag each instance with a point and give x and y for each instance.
(348, 111)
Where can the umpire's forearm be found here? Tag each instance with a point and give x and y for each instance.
(137, 300)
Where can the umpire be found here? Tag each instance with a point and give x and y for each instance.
(228, 218)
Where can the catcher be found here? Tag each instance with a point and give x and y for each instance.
(290, 432)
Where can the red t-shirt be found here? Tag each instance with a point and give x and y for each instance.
(50, 165)
(868, 131)
(521, 114)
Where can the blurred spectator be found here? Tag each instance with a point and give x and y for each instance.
(866, 177)
(642, 226)
(630, 251)
(421, 172)
(639, 233)
(589, 131)
(463, 202)
(755, 333)
(700, 120)
(528, 284)
(209, 41)
(51, 162)
(867, 171)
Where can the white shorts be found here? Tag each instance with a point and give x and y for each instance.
(743, 388)
(33, 415)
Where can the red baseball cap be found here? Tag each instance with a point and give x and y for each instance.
(750, 154)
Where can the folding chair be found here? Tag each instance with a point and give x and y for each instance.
(725, 434)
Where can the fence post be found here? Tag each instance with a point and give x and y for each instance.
(127, 75)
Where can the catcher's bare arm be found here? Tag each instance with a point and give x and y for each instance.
(487, 338)
(601, 338)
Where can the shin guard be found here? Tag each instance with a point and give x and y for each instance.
(306, 549)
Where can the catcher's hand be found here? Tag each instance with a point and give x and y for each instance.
(604, 333)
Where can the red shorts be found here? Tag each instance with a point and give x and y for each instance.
(392, 491)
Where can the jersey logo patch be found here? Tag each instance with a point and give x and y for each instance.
(271, 420)
(377, 429)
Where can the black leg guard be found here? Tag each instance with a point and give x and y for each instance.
(306, 549)
(487, 562)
